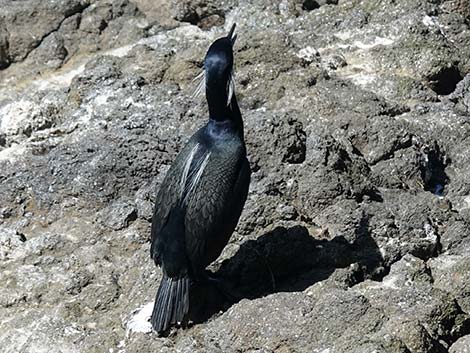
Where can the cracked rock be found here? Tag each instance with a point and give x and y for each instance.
(355, 234)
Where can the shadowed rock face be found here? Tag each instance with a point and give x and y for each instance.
(355, 235)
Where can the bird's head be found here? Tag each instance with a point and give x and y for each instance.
(218, 65)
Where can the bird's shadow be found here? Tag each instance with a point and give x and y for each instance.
(288, 260)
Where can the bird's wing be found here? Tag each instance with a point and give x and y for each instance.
(169, 195)
(213, 208)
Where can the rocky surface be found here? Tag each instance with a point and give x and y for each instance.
(356, 234)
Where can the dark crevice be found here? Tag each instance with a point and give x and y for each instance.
(131, 217)
(371, 194)
(453, 326)
(190, 17)
(438, 246)
(458, 326)
(445, 81)
(296, 149)
(309, 5)
(342, 162)
(357, 152)
(432, 170)
(22, 237)
(367, 253)
(396, 111)
(3, 140)
(5, 59)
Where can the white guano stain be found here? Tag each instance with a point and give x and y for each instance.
(12, 115)
(62, 79)
(308, 53)
(375, 42)
(11, 153)
(429, 21)
(140, 320)
(345, 35)
(390, 282)
(361, 68)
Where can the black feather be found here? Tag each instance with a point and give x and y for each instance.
(171, 303)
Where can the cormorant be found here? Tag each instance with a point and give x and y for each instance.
(203, 194)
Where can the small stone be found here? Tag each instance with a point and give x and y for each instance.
(118, 215)
(462, 345)
(10, 240)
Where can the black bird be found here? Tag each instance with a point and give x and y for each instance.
(202, 196)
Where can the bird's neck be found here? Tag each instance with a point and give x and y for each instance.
(217, 101)
(223, 114)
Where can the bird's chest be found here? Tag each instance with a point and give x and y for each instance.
(223, 159)
(210, 169)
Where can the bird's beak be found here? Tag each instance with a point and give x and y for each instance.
(232, 35)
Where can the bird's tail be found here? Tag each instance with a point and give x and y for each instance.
(171, 304)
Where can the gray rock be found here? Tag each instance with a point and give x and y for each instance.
(450, 273)
(118, 215)
(424, 318)
(461, 95)
(144, 202)
(41, 19)
(355, 234)
(461, 346)
(10, 240)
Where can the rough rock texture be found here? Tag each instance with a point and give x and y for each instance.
(355, 237)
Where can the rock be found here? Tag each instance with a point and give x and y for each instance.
(204, 14)
(118, 215)
(158, 10)
(143, 201)
(10, 240)
(450, 273)
(407, 295)
(355, 234)
(41, 19)
(461, 346)
(52, 51)
(460, 95)
(58, 31)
